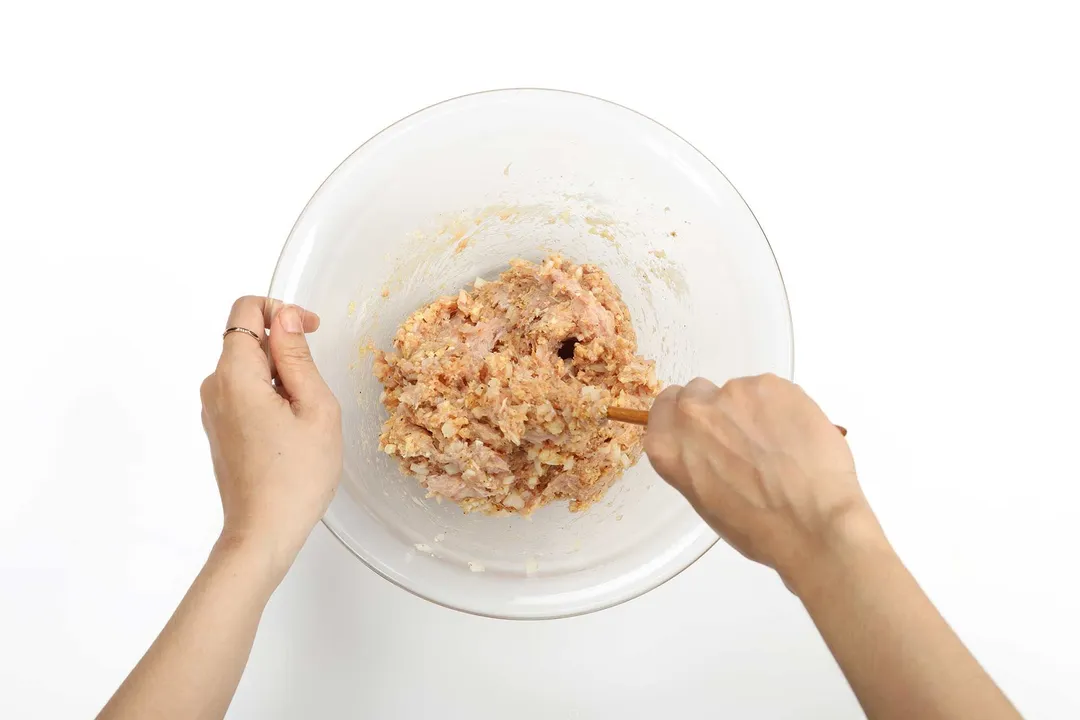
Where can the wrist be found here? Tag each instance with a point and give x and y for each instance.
(256, 553)
(850, 538)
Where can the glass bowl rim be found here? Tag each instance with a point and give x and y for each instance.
(652, 585)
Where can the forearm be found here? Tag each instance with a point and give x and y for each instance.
(897, 652)
(192, 669)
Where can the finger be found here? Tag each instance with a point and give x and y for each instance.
(662, 412)
(660, 444)
(292, 358)
(700, 388)
(240, 352)
(254, 313)
(311, 320)
(279, 389)
(311, 324)
(259, 311)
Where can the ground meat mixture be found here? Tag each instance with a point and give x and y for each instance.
(497, 397)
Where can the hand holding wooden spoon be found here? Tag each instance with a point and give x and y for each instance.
(641, 417)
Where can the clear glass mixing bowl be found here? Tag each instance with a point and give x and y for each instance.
(453, 193)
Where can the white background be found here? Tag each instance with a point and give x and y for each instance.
(915, 166)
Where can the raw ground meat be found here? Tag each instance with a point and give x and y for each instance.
(497, 397)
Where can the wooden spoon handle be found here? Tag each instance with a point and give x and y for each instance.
(626, 415)
(641, 417)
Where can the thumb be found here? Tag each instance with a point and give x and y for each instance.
(292, 358)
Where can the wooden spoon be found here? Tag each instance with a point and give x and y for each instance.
(641, 417)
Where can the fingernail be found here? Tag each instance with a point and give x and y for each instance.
(291, 322)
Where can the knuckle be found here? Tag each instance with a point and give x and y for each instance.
(700, 386)
(226, 377)
(668, 395)
(208, 388)
(296, 354)
(738, 387)
(689, 405)
(695, 402)
(244, 302)
(769, 380)
(233, 383)
(769, 384)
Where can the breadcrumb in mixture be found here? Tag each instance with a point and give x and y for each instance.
(498, 396)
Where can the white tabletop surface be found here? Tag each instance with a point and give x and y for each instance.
(915, 167)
